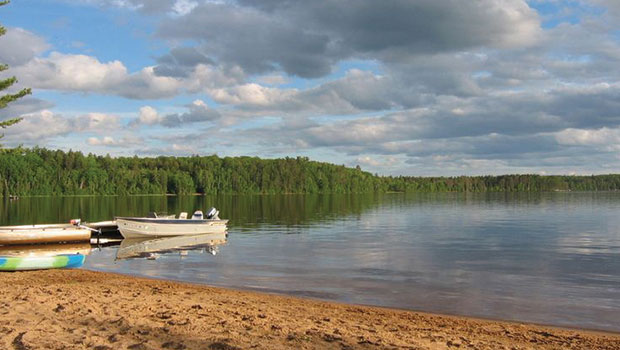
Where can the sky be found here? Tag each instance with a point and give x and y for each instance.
(398, 87)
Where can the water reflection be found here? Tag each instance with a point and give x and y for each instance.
(153, 247)
(243, 211)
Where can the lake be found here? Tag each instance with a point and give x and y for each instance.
(550, 258)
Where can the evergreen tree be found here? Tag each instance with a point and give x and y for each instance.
(5, 84)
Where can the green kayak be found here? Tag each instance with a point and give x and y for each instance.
(19, 263)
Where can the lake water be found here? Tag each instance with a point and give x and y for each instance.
(551, 258)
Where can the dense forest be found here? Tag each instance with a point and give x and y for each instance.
(40, 171)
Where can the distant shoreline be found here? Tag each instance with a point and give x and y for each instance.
(66, 308)
(40, 171)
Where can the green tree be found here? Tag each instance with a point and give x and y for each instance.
(5, 84)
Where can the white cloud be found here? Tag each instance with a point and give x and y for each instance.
(148, 116)
(98, 122)
(273, 79)
(204, 77)
(612, 6)
(20, 46)
(251, 94)
(172, 149)
(110, 141)
(106, 140)
(197, 111)
(357, 91)
(199, 104)
(23, 106)
(145, 84)
(522, 23)
(81, 73)
(38, 126)
(182, 148)
(44, 125)
(583, 137)
(71, 72)
(183, 7)
(378, 161)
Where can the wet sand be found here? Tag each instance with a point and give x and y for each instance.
(78, 309)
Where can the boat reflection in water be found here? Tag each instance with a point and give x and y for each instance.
(44, 256)
(151, 248)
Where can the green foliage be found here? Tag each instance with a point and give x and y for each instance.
(5, 84)
(40, 171)
(505, 183)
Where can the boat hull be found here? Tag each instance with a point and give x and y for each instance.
(141, 227)
(32, 234)
(16, 263)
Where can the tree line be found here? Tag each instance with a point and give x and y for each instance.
(39, 171)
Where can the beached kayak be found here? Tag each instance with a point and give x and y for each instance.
(22, 263)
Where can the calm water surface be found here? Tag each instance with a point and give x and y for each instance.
(551, 258)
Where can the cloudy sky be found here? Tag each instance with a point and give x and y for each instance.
(412, 87)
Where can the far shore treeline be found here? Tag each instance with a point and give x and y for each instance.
(39, 171)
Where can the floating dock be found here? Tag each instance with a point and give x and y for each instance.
(105, 226)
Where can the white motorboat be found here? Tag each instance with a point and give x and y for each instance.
(153, 226)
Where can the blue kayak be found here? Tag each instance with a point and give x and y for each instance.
(23, 263)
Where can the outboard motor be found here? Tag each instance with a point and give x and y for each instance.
(212, 213)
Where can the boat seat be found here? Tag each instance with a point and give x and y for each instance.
(197, 215)
(183, 215)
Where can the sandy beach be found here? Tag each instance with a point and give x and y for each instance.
(79, 309)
